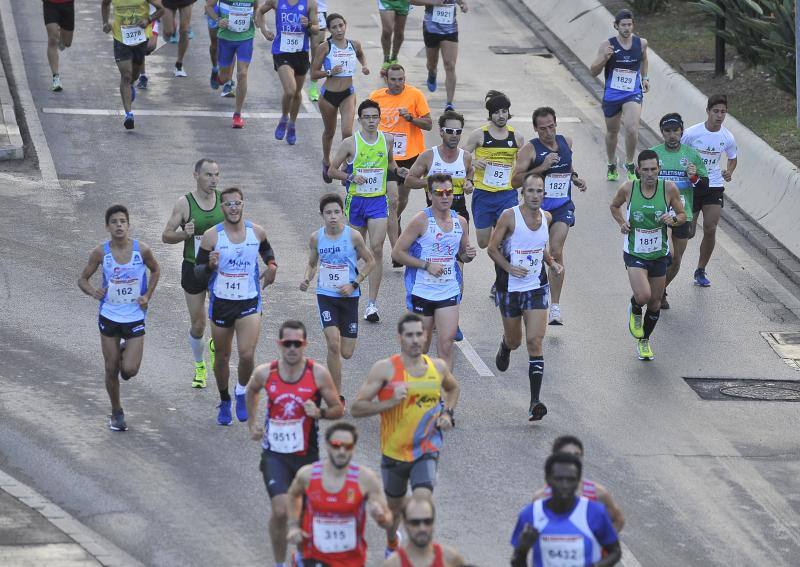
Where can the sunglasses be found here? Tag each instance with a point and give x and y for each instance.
(291, 343)
(442, 192)
(452, 131)
(417, 522)
(341, 445)
(232, 203)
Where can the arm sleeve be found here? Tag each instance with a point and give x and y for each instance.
(266, 252)
(201, 265)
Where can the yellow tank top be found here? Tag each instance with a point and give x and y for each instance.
(499, 156)
(408, 430)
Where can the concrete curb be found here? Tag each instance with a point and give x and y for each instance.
(105, 552)
(764, 201)
(14, 150)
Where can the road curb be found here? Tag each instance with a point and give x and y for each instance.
(15, 149)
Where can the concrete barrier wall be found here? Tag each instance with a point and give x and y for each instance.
(766, 186)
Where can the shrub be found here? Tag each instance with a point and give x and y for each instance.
(647, 6)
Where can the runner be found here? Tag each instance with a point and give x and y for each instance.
(368, 158)
(59, 21)
(623, 59)
(295, 21)
(152, 43)
(171, 10)
(440, 34)
(228, 260)
(316, 39)
(192, 215)
(213, 49)
(236, 29)
(337, 248)
(419, 515)
(411, 433)
(393, 28)
(645, 245)
(131, 30)
(329, 502)
(682, 165)
(335, 61)
(711, 139)
(295, 387)
(404, 114)
(565, 525)
(588, 489)
(429, 247)
(550, 155)
(518, 248)
(124, 296)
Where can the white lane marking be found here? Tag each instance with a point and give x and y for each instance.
(473, 358)
(173, 113)
(628, 558)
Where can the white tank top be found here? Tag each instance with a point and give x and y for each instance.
(437, 247)
(457, 170)
(345, 57)
(525, 247)
(124, 284)
(236, 277)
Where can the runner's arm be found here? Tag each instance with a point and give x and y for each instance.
(539, 494)
(674, 201)
(317, 72)
(202, 262)
(327, 389)
(604, 53)
(158, 13)
(313, 21)
(393, 561)
(177, 219)
(416, 176)
(424, 122)
(613, 555)
(296, 491)
(346, 149)
(376, 500)
(364, 404)
(614, 511)
(451, 387)
(466, 252)
(362, 253)
(619, 200)
(732, 162)
(410, 233)
(473, 141)
(525, 157)
(452, 558)
(313, 260)
(498, 235)
(361, 57)
(252, 392)
(644, 67)
(95, 257)
(155, 272)
(105, 13)
(469, 181)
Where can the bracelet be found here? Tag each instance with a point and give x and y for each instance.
(645, 78)
(273, 263)
(425, 267)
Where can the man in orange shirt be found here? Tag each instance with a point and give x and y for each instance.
(404, 114)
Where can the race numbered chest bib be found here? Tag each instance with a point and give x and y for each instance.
(346, 62)
(556, 185)
(448, 273)
(531, 260)
(623, 80)
(374, 180)
(562, 550)
(133, 35)
(400, 144)
(647, 240)
(239, 19)
(231, 285)
(286, 436)
(292, 42)
(331, 276)
(334, 534)
(444, 14)
(123, 290)
(197, 240)
(497, 174)
(710, 160)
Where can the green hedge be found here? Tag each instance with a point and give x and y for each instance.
(647, 6)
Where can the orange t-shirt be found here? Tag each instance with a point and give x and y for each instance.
(409, 141)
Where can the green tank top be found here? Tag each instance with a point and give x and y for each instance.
(241, 19)
(371, 162)
(673, 168)
(203, 220)
(648, 236)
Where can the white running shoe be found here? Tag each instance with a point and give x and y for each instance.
(181, 72)
(371, 314)
(555, 315)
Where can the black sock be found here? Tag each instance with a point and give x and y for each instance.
(224, 395)
(503, 345)
(637, 309)
(535, 373)
(650, 320)
(178, 65)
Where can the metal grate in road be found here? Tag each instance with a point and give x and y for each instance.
(722, 389)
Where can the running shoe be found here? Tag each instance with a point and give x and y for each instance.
(199, 375)
(291, 134)
(116, 421)
(344, 403)
(227, 90)
(612, 174)
(241, 407)
(391, 546)
(631, 170)
(142, 82)
(449, 106)
(431, 82)
(393, 61)
(555, 315)
(224, 414)
(174, 38)
(700, 278)
(503, 357)
(459, 335)
(128, 123)
(61, 45)
(325, 177)
(635, 323)
(180, 72)
(537, 411)
(493, 292)
(191, 33)
(644, 350)
(133, 93)
(212, 353)
(238, 121)
(122, 345)
(371, 314)
(664, 302)
(214, 81)
(385, 65)
(280, 131)
(313, 91)
(56, 88)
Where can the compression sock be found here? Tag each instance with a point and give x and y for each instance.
(535, 374)
(650, 320)
(198, 347)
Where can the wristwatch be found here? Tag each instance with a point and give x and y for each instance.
(355, 284)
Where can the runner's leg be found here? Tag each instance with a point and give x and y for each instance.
(111, 356)
(612, 134)
(631, 114)
(241, 87)
(711, 214)
(131, 359)
(446, 325)
(377, 237)
(558, 236)
(333, 338)
(449, 57)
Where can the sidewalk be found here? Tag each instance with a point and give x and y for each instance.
(10, 138)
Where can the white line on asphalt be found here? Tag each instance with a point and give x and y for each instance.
(172, 113)
(473, 358)
(628, 558)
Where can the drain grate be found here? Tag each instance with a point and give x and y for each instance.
(731, 389)
(539, 50)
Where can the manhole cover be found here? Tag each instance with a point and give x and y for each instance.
(772, 393)
(731, 389)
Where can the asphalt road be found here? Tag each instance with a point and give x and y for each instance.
(701, 483)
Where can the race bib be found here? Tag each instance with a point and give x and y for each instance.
(531, 260)
(400, 144)
(562, 550)
(331, 276)
(133, 35)
(231, 285)
(334, 534)
(448, 274)
(292, 42)
(623, 80)
(346, 62)
(710, 160)
(323, 24)
(444, 14)
(647, 240)
(197, 240)
(374, 180)
(286, 436)
(239, 19)
(556, 185)
(497, 174)
(122, 291)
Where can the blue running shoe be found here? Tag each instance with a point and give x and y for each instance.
(133, 93)
(431, 82)
(174, 38)
(214, 81)
(280, 131)
(241, 407)
(449, 106)
(459, 335)
(227, 90)
(291, 135)
(128, 122)
(142, 82)
(224, 414)
(700, 278)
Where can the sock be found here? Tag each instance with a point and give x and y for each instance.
(637, 309)
(650, 320)
(224, 395)
(214, 69)
(56, 75)
(240, 389)
(178, 65)
(535, 374)
(129, 115)
(237, 113)
(198, 346)
(503, 345)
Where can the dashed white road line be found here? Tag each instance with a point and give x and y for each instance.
(172, 113)
(472, 357)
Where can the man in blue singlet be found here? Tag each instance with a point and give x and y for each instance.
(623, 59)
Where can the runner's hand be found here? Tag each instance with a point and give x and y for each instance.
(528, 537)
(645, 85)
(213, 260)
(222, 23)
(337, 69)
(106, 28)
(666, 219)
(580, 184)
(377, 512)
(269, 35)
(479, 163)
(346, 290)
(268, 277)
(470, 251)
(400, 393)
(468, 187)
(143, 300)
(405, 114)
(691, 170)
(296, 535)
(99, 294)
(444, 422)
(304, 285)
(435, 269)
(625, 227)
(256, 432)
(188, 228)
(609, 51)
(402, 172)
(518, 271)
(463, 5)
(557, 268)
(551, 159)
(365, 70)
(727, 175)
(312, 410)
(360, 179)
(304, 21)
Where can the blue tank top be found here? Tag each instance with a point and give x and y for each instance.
(623, 78)
(124, 284)
(436, 246)
(441, 20)
(290, 36)
(236, 277)
(557, 179)
(345, 57)
(337, 262)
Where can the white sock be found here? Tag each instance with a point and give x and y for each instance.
(240, 389)
(198, 346)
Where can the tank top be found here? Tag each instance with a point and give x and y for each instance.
(287, 429)
(241, 20)
(337, 56)
(565, 536)
(588, 490)
(125, 26)
(124, 284)
(557, 179)
(623, 78)
(408, 430)
(290, 35)
(441, 20)
(499, 156)
(337, 262)
(236, 277)
(438, 557)
(648, 236)
(335, 520)
(437, 247)
(524, 247)
(371, 161)
(203, 220)
(456, 169)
